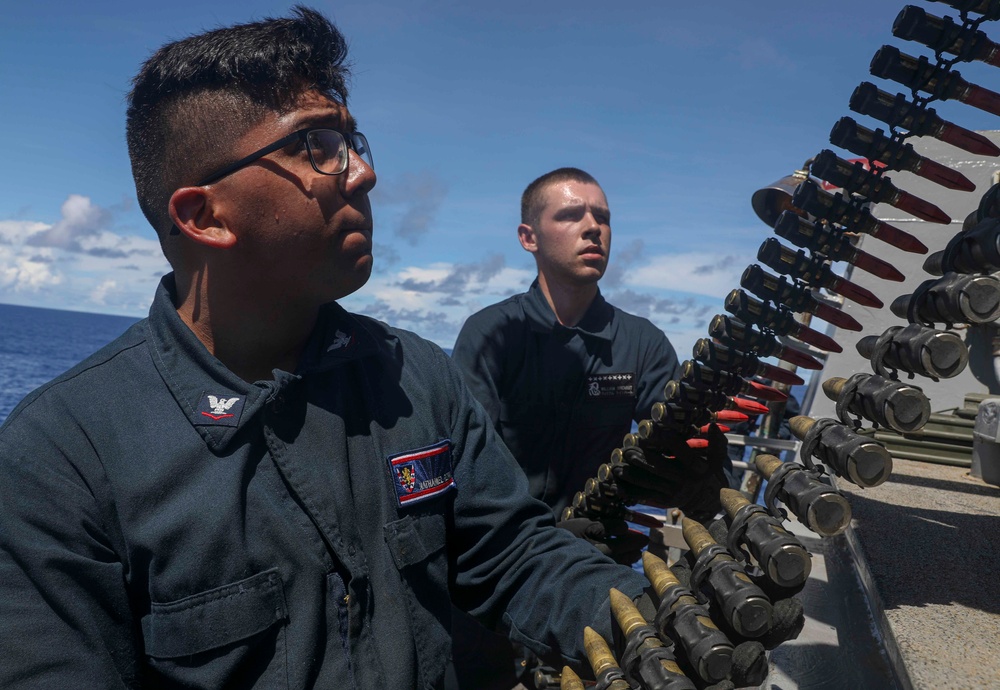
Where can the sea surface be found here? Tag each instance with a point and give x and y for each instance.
(36, 345)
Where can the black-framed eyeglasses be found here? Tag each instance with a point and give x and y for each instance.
(328, 152)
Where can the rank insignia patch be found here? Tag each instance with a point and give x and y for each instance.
(422, 473)
(220, 410)
(611, 386)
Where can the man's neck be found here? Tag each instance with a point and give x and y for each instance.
(250, 337)
(568, 302)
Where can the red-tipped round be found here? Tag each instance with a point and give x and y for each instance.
(801, 359)
(697, 443)
(944, 176)
(876, 266)
(769, 371)
(899, 239)
(764, 392)
(730, 416)
(817, 339)
(749, 406)
(837, 317)
(968, 140)
(722, 427)
(856, 293)
(921, 208)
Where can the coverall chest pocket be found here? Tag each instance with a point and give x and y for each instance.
(417, 545)
(230, 636)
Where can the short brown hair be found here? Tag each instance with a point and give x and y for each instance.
(533, 201)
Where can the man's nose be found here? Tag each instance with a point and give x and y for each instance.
(359, 178)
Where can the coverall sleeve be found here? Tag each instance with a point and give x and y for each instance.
(659, 364)
(479, 354)
(514, 569)
(65, 620)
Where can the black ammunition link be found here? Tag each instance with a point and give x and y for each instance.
(834, 208)
(689, 625)
(990, 9)
(686, 395)
(941, 34)
(820, 239)
(793, 485)
(721, 357)
(743, 337)
(774, 318)
(917, 73)
(950, 299)
(678, 419)
(731, 587)
(976, 250)
(873, 145)
(813, 270)
(770, 287)
(698, 374)
(764, 537)
(895, 111)
(643, 662)
(868, 396)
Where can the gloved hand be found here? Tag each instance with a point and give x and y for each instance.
(677, 476)
(613, 538)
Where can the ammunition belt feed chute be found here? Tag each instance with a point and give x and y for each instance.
(732, 598)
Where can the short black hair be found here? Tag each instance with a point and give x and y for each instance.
(533, 199)
(194, 97)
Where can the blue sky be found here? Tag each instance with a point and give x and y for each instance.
(681, 110)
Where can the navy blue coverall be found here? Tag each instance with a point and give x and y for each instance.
(164, 523)
(563, 398)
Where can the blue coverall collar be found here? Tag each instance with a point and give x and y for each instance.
(597, 321)
(203, 386)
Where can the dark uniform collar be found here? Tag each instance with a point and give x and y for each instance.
(597, 321)
(216, 401)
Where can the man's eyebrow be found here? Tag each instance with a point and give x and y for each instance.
(332, 120)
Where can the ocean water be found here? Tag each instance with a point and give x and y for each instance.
(36, 345)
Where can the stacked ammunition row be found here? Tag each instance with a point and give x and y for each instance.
(733, 596)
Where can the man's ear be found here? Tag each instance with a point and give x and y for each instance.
(193, 214)
(526, 236)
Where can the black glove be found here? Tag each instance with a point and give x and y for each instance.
(677, 476)
(613, 538)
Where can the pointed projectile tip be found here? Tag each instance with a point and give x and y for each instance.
(732, 501)
(767, 464)
(801, 425)
(833, 386)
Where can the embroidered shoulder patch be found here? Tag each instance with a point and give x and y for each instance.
(220, 410)
(422, 473)
(611, 386)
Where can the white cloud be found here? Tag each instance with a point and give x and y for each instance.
(99, 294)
(17, 231)
(25, 274)
(80, 262)
(695, 273)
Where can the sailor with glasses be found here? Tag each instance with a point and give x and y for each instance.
(254, 488)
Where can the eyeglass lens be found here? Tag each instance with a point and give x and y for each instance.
(328, 150)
